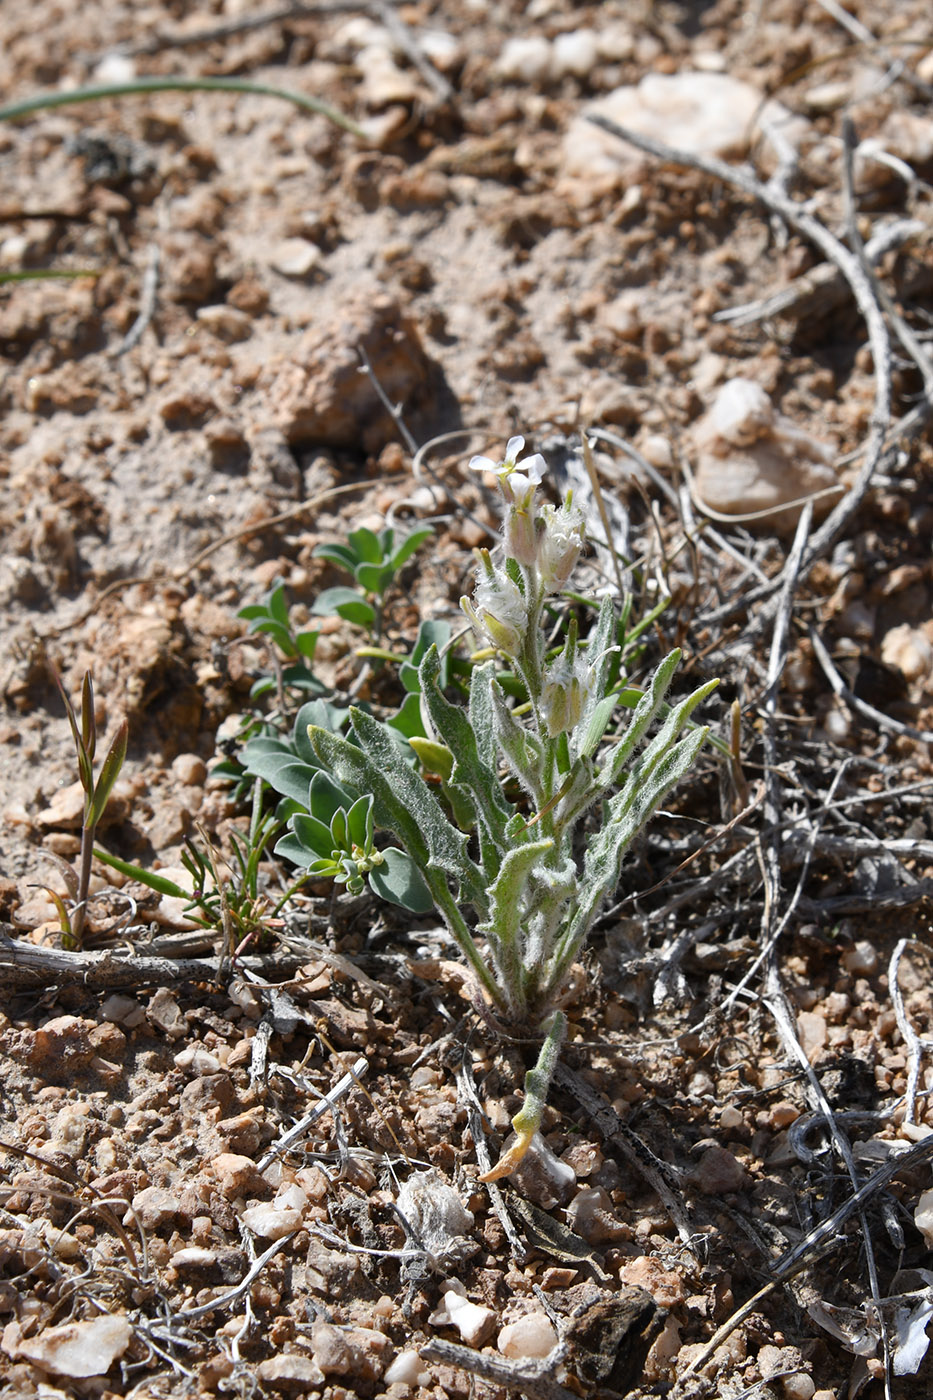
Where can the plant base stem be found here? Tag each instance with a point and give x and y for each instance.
(537, 1083)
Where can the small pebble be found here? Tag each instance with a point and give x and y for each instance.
(227, 323)
(236, 1175)
(165, 1014)
(194, 1256)
(152, 1207)
(246, 998)
(657, 450)
(384, 83)
(718, 1173)
(782, 1114)
(576, 53)
(862, 959)
(837, 724)
(623, 316)
(290, 1373)
(295, 258)
(66, 807)
(532, 1335)
(123, 1011)
(291, 1197)
(76, 1350)
(62, 1244)
(190, 769)
(811, 1028)
(590, 1214)
(196, 1058)
(115, 68)
(354, 1351)
(909, 650)
(271, 1222)
(407, 1369)
(664, 1350)
(525, 58)
(474, 1321)
(666, 1286)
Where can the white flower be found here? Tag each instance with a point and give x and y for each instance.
(524, 475)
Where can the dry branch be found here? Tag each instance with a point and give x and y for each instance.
(26, 965)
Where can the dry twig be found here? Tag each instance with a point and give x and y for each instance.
(852, 270)
(534, 1379)
(663, 1179)
(24, 964)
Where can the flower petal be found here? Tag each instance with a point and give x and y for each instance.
(483, 464)
(513, 447)
(534, 467)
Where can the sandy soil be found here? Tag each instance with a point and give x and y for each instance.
(181, 427)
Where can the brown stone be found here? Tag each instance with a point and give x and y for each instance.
(321, 396)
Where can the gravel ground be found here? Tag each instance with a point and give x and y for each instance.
(190, 417)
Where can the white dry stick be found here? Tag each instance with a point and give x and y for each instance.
(147, 304)
(914, 347)
(467, 1095)
(775, 997)
(534, 1379)
(823, 287)
(403, 37)
(249, 1278)
(858, 31)
(877, 717)
(330, 1100)
(915, 1046)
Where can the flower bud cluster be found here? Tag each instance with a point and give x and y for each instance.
(544, 540)
(498, 612)
(563, 694)
(560, 545)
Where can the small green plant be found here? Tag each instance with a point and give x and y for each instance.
(331, 833)
(96, 796)
(337, 834)
(232, 901)
(519, 889)
(373, 561)
(271, 617)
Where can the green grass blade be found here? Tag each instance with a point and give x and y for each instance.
(44, 101)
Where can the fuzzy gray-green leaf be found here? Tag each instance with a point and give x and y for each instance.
(599, 658)
(520, 748)
(507, 907)
(628, 812)
(645, 711)
(470, 770)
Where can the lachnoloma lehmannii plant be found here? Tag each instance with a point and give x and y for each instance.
(518, 884)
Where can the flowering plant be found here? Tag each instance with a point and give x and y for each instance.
(510, 880)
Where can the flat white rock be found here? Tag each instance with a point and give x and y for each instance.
(705, 113)
(77, 1349)
(270, 1221)
(751, 459)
